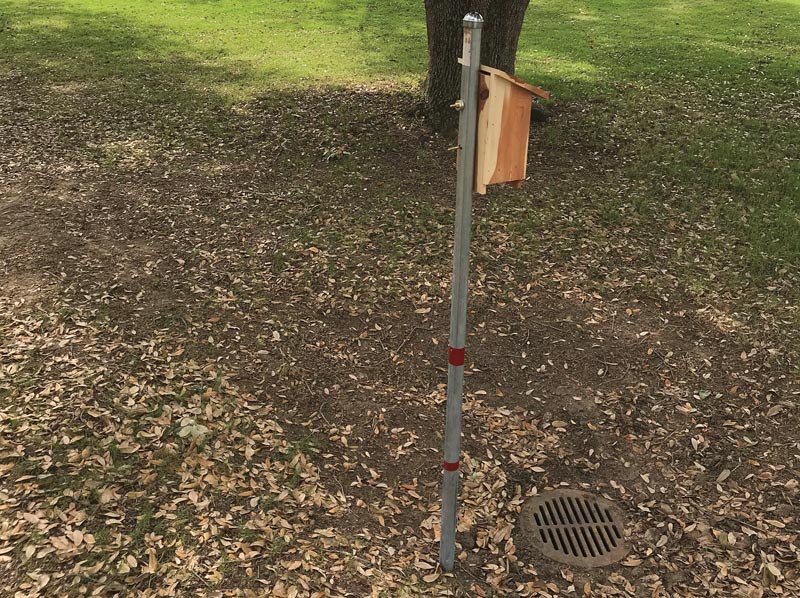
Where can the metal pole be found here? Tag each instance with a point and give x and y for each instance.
(467, 125)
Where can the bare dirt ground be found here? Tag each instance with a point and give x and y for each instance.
(223, 355)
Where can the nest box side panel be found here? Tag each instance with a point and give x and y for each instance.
(490, 115)
(512, 147)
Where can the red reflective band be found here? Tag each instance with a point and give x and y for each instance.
(455, 356)
(451, 466)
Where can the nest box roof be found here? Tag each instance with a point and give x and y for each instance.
(537, 91)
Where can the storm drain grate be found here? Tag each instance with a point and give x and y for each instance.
(575, 527)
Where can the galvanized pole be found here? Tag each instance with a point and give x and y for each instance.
(467, 125)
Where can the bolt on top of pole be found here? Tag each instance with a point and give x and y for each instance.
(473, 20)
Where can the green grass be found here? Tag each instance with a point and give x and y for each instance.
(703, 93)
(702, 96)
(234, 47)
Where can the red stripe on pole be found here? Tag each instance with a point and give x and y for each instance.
(455, 356)
(451, 466)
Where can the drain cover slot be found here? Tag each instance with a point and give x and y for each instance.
(575, 527)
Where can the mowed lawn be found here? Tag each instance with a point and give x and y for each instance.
(225, 236)
(705, 93)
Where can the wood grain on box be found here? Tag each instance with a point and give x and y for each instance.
(504, 119)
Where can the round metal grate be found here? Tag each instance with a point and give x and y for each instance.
(574, 527)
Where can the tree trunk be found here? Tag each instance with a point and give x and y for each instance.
(501, 29)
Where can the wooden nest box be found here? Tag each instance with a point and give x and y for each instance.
(504, 121)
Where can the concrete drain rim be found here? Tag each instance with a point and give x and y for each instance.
(575, 528)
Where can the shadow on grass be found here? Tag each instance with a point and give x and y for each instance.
(106, 52)
(700, 95)
(670, 85)
(84, 85)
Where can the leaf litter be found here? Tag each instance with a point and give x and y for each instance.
(222, 368)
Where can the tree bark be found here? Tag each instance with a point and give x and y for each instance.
(502, 26)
